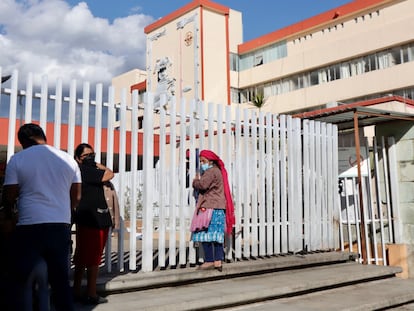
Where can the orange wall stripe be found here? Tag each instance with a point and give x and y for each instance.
(4, 123)
(142, 86)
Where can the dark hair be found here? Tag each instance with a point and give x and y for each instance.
(79, 149)
(28, 132)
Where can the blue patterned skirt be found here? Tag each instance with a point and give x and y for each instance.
(215, 231)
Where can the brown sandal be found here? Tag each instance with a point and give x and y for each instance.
(218, 265)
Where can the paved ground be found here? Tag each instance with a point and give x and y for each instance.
(227, 292)
(224, 290)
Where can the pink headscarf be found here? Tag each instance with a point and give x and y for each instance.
(230, 218)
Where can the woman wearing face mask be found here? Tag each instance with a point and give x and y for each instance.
(93, 220)
(214, 192)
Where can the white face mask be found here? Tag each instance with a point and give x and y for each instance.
(205, 166)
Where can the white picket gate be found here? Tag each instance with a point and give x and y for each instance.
(282, 170)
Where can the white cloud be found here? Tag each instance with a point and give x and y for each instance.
(50, 37)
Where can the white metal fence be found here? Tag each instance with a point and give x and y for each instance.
(380, 226)
(282, 171)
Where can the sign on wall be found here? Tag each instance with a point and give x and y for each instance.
(348, 162)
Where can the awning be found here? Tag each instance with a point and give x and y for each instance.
(366, 117)
(344, 115)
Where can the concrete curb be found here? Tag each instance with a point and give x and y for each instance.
(157, 279)
(277, 286)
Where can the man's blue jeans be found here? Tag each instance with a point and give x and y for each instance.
(37, 287)
(50, 243)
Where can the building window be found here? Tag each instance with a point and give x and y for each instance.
(383, 60)
(117, 112)
(411, 53)
(140, 122)
(407, 54)
(258, 60)
(234, 62)
(334, 72)
(235, 95)
(342, 70)
(314, 78)
(262, 56)
(345, 70)
(267, 90)
(395, 55)
(246, 62)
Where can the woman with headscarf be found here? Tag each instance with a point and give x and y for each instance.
(213, 192)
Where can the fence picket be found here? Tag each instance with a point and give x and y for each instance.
(247, 215)
(29, 97)
(306, 182)
(85, 113)
(269, 185)
(162, 229)
(58, 114)
(43, 103)
(12, 115)
(173, 186)
(318, 190)
(283, 187)
(98, 121)
(261, 186)
(148, 187)
(277, 245)
(324, 174)
(238, 197)
(182, 182)
(229, 162)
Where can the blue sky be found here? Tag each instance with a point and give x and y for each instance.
(259, 16)
(91, 41)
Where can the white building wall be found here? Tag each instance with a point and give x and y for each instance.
(215, 58)
(369, 83)
(200, 66)
(362, 34)
(235, 30)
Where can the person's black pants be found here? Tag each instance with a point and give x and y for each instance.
(34, 243)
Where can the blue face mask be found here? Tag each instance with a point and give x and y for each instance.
(205, 166)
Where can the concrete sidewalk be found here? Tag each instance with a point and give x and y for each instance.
(144, 280)
(245, 285)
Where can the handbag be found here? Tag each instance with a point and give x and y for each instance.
(201, 219)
